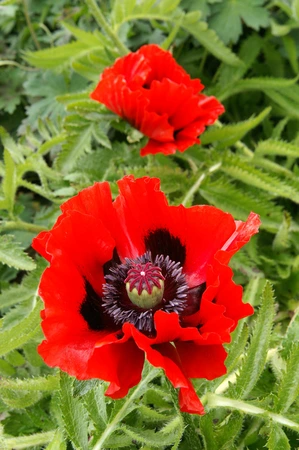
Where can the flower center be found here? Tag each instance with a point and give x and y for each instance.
(145, 285)
(135, 289)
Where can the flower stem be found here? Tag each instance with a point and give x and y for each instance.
(20, 225)
(99, 17)
(188, 197)
(170, 38)
(31, 29)
(116, 421)
(216, 401)
(28, 441)
(8, 62)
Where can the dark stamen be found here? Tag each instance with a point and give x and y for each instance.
(161, 242)
(90, 309)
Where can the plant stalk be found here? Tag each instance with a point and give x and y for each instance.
(20, 225)
(112, 426)
(99, 17)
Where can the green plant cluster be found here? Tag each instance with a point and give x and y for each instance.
(56, 141)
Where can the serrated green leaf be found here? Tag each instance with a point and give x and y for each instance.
(249, 51)
(291, 335)
(48, 383)
(130, 10)
(240, 170)
(229, 430)
(61, 57)
(209, 39)
(95, 404)
(216, 401)
(253, 290)
(207, 432)
(9, 144)
(229, 134)
(57, 140)
(73, 413)
(90, 39)
(288, 389)
(279, 148)
(9, 184)
(13, 255)
(6, 369)
(239, 201)
(149, 437)
(281, 240)
(80, 133)
(25, 442)
(289, 106)
(122, 10)
(277, 438)
(19, 399)
(255, 358)
(21, 333)
(253, 84)
(236, 348)
(148, 413)
(57, 443)
(18, 293)
(15, 358)
(119, 441)
(273, 167)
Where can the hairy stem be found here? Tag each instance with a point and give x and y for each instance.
(170, 38)
(31, 29)
(116, 421)
(20, 225)
(28, 441)
(8, 62)
(194, 188)
(99, 17)
(216, 401)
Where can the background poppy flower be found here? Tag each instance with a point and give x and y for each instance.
(155, 94)
(137, 277)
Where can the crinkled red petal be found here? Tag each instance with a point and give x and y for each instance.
(189, 401)
(202, 361)
(120, 363)
(134, 67)
(69, 343)
(163, 65)
(39, 244)
(134, 107)
(87, 243)
(161, 353)
(153, 147)
(242, 234)
(155, 94)
(203, 230)
(229, 294)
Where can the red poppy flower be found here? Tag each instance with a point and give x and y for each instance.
(138, 278)
(155, 94)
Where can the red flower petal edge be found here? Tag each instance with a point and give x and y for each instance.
(155, 94)
(135, 278)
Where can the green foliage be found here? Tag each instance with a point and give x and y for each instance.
(73, 413)
(56, 141)
(254, 361)
(228, 16)
(12, 254)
